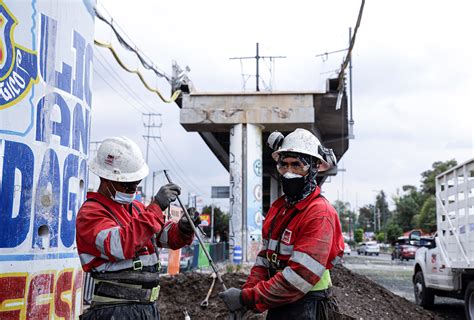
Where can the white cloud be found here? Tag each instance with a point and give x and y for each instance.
(413, 78)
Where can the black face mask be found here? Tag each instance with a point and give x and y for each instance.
(297, 189)
(292, 187)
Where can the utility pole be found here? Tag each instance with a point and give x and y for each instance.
(149, 125)
(257, 58)
(351, 120)
(212, 222)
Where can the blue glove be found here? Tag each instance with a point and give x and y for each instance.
(232, 298)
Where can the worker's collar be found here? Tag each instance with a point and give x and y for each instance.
(303, 203)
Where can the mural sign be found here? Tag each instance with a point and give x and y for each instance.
(45, 105)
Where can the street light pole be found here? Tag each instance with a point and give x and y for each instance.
(212, 222)
(375, 210)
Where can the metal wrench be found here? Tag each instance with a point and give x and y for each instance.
(205, 302)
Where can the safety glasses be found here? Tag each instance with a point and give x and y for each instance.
(295, 166)
(129, 187)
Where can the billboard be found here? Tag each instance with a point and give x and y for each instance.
(46, 52)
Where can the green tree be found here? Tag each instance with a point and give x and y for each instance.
(428, 177)
(366, 217)
(380, 237)
(407, 206)
(381, 206)
(359, 235)
(346, 216)
(393, 231)
(426, 220)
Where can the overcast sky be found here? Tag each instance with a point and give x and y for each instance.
(413, 81)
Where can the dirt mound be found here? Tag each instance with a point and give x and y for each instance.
(358, 297)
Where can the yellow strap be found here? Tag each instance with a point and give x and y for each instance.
(324, 282)
(142, 79)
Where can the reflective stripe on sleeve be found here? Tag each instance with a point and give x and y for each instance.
(164, 236)
(85, 258)
(308, 262)
(115, 243)
(264, 244)
(262, 262)
(299, 283)
(284, 248)
(147, 260)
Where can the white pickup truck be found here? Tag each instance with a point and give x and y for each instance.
(447, 269)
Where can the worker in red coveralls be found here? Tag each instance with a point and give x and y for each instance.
(118, 238)
(301, 239)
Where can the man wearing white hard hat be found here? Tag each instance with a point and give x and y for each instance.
(118, 237)
(302, 238)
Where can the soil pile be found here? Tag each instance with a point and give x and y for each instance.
(358, 297)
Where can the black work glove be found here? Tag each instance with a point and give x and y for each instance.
(167, 194)
(184, 225)
(232, 298)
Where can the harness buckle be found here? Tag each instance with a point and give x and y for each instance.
(274, 257)
(137, 264)
(155, 291)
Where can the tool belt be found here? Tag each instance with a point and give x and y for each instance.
(125, 287)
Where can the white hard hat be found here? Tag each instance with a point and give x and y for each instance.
(119, 159)
(302, 141)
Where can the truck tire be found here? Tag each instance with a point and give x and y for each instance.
(424, 296)
(469, 301)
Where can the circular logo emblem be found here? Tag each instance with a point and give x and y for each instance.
(257, 192)
(257, 167)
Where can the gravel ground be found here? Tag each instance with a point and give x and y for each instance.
(359, 298)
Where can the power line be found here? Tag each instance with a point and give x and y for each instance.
(173, 161)
(149, 65)
(177, 177)
(118, 92)
(110, 70)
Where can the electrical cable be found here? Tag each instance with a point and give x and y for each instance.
(180, 169)
(123, 85)
(118, 92)
(138, 73)
(178, 178)
(147, 65)
(109, 68)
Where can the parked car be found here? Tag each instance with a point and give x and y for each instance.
(347, 249)
(369, 248)
(186, 261)
(403, 250)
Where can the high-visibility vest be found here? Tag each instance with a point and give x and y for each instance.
(324, 282)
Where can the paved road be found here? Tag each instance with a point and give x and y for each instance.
(396, 276)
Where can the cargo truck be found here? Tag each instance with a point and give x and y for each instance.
(447, 269)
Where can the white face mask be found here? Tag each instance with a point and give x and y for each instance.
(122, 197)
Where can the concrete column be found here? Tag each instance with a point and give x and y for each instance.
(253, 181)
(235, 170)
(245, 163)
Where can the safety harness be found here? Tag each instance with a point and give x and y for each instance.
(277, 265)
(139, 285)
